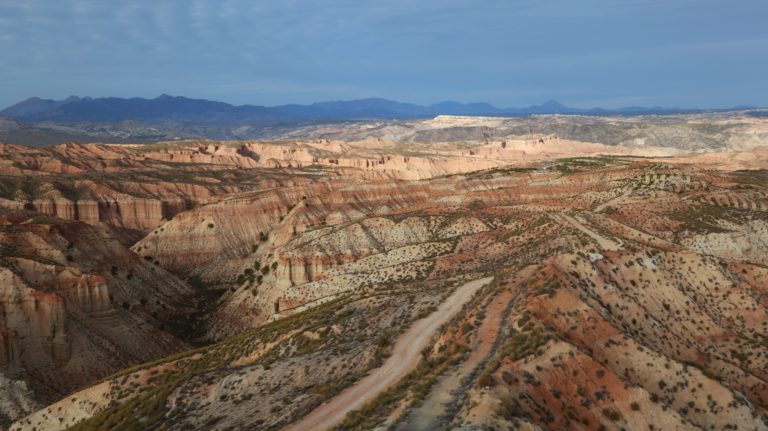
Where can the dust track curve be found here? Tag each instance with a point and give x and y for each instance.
(404, 359)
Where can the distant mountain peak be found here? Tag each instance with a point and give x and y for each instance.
(36, 106)
(166, 107)
(553, 104)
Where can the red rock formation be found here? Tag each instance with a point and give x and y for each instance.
(75, 305)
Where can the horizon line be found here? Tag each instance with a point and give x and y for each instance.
(550, 101)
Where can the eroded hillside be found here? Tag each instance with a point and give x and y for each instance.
(76, 305)
(627, 293)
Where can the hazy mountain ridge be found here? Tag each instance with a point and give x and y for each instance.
(177, 108)
(40, 122)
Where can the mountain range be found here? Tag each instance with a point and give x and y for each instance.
(182, 109)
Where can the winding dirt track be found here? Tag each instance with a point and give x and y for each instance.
(405, 356)
(603, 242)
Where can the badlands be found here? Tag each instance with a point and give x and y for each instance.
(547, 272)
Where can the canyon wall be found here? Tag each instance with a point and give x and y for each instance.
(76, 305)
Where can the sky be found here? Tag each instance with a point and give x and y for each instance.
(584, 53)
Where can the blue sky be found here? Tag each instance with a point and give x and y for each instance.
(610, 53)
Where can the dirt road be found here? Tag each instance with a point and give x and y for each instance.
(617, 199)
(435, 412)
(406, 354)
(603, 242)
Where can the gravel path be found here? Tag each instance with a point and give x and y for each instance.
(406, 354)
(603, 242)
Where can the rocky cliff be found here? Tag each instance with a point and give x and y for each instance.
(296, 246)
(76, 305)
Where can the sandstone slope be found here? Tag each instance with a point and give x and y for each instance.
(76, 305)
(628, 293)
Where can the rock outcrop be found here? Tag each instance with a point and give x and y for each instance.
(76, 305)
